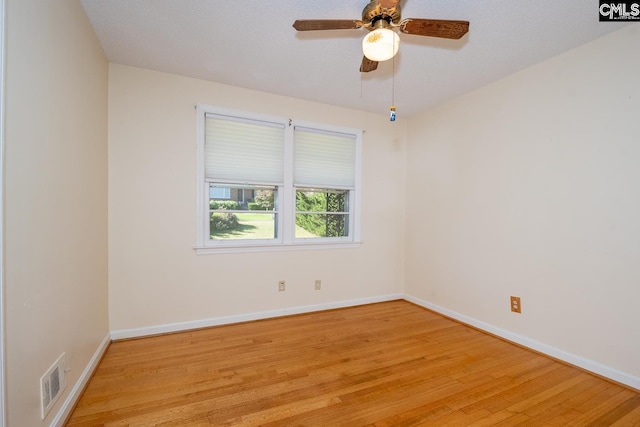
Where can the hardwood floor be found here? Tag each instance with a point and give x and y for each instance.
(386, 364)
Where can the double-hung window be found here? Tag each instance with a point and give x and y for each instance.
(269, 182)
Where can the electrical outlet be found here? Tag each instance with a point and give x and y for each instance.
(281, 286)
(318, 285)
(516, 307)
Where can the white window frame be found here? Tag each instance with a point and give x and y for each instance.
(286, 239)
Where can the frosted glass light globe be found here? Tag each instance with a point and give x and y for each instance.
(381, 44)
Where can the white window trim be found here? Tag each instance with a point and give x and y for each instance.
(286, 240)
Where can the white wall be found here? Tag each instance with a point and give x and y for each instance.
(55, 198)
(530, 187)
(526, 187)
(155, 277)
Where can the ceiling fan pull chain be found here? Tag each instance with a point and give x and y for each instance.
(392, 109)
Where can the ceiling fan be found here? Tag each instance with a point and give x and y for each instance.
(379, 17)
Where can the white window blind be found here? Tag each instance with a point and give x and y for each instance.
(243, 151)
(323, 159)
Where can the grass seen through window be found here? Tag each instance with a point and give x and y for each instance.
(253, 226)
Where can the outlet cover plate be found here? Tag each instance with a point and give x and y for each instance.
(516, 307)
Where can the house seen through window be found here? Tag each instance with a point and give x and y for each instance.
(272, 181)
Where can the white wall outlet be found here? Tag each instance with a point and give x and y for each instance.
(281, 286)
(318, 285)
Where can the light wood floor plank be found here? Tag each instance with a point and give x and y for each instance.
(386, 364)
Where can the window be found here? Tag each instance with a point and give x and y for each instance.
(220, 192)
(268, 182)
(235, 220)
(321, 213)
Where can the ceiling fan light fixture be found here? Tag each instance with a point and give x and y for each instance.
(381, 44)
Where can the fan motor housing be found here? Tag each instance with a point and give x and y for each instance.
(374, 12)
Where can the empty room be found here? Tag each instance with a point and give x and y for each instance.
(384, 213)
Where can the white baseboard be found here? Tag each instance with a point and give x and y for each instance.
(586, 364)
(76, 391)
(225, 320)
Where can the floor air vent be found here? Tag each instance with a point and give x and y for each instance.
(52, 384)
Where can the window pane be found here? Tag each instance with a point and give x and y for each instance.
(249, 213)
(321, 213)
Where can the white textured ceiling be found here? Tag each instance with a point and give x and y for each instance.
(252, 44)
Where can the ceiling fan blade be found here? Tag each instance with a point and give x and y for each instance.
(326, 24)
(435, 27)
(368, 65)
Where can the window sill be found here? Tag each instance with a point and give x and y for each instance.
(227, 249)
